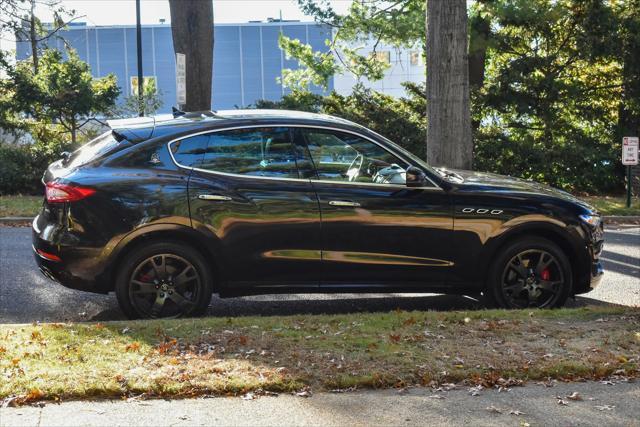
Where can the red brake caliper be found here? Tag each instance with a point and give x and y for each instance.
(545, 274)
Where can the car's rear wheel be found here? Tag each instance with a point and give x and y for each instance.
(163, 279)
(530, 273)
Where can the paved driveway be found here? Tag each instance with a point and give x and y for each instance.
(27, 296)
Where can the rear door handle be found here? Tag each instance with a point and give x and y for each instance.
(347, 203)
(216, 197)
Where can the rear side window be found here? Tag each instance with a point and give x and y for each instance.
(264, 152)
(94, 149)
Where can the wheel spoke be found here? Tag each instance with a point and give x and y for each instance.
(159, 269)
(519, 267)
(515, 288)
(157, 306)
(184, 276)
(184, 304)
(542, 264)
(549, 285)
(143, 287)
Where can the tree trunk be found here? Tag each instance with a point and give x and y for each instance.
(33, 36)
(192, 31)
(449, 140)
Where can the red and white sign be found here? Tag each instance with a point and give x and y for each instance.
(630, 150)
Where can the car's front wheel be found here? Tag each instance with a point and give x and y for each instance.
(530, 273)
(163, 279)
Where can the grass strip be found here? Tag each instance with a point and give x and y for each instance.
(231, 356)
(16, 206)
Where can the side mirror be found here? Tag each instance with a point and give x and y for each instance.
(415, 177)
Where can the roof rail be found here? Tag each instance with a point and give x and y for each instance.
(193, 114)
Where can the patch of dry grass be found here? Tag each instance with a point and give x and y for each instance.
(27, 206)
(235, 355)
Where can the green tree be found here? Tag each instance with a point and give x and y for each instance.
(396, 23)
(549, 103)
(63, 91)
(150, 102)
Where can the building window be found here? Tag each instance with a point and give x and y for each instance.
(383, 56)
(415, 57)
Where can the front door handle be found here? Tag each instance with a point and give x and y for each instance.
(347, 203)
(214, 197)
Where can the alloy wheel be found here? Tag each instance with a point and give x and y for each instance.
(164, 285)
(532, 278)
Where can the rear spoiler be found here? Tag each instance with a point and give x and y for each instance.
(133, 130)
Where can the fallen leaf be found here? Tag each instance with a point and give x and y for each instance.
(34, 394)
(410, 321)
(394, 338)
(134, 346)
(574, 396)
(516, 412)
(605, 407)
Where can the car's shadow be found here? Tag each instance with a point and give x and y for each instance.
(299, 304)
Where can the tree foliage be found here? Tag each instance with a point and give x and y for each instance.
(549, 104)
(62, 91)
(399, 23)
(150, 102)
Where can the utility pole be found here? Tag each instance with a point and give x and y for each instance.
(139, 50)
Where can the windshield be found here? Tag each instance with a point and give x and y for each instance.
(92, 150)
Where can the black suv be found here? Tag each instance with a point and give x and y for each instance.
(165, 211)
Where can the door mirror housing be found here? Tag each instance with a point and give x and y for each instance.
(415, 177)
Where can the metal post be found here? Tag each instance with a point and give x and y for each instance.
(139, 53)
(628, 186)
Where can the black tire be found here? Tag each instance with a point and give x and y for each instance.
(529, 273)
(163, 279)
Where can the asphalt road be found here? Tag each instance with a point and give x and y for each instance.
(27, 296)
(600, 405)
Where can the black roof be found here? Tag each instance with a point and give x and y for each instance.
(143, 128)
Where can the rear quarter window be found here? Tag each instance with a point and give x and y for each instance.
(189, 151)
(95, 149)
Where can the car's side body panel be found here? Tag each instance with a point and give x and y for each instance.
(393, 237)
(269, 230)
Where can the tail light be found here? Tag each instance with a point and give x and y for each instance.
(61, 193)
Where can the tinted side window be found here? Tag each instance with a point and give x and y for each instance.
(255, 151)
(341, 156)
(189, 151)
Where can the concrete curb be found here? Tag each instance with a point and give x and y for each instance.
(11, 220)
(610, 219)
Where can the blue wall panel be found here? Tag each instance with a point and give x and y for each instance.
(247, 58)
